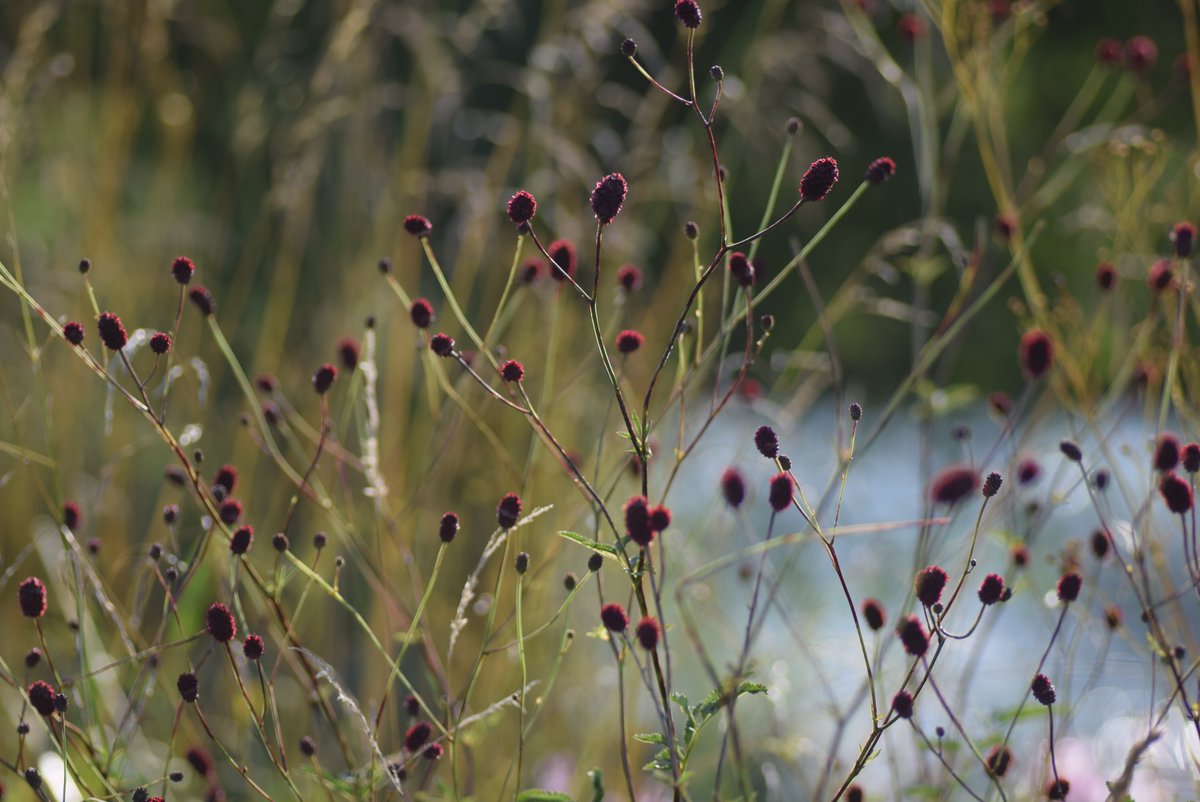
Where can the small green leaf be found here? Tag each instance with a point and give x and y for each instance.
(651, 738)
(540, 795)
(597, 784)
(601, 548)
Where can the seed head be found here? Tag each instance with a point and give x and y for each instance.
(991, 484)
(570, 581)
(522, 562)
(767, 442)
(242, 537)
(629, 278)
(442, 344)
(608, 196)
(991, 589)
(562, 254)
(874, 614)
(31, 594)
(417, 225)
(279, 542)
(1184, 237)
(929, 585)
(448, 527)
(349, 352)
(73, 333)
(41, 696)
(595, 562)
(717, 73)
(780, 494)
(733, 487)
(219, 622)
(323, 379)
(648, 632)
(203, 300)
(614, 617)
(308, 747)
(521, 207)
(1166, 452)
(1070, 450)
(1069, 586)
(182, 269)
(688, 12)
(902, 704)
(188, 687)
(1191, 457)
(112, 333)
(628, 48)
(230, 511)
(1161, 275)
(1176, 492)
(741, 269)
(320, 540)
(856, 411)
(1140, 54)
(1042, 690)
(1036, 353)
(512, 371)
(508, 511)
(629, 341)
(913, 635)
(253, 647)
(880, 170)
(33, 657)
(417, 735)
(954, 484)
(637, 521)
(819, 179)
(141, 795)
(691, 229)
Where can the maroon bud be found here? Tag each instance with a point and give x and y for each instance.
(902, 704)
(226, 477)
(628, 48)
(648, 632)
(997, 761)
(688, 12)
(629, 341)
(1028, 471)
(240, 542)
(230, 511)
(1140, 54)
(200, 761)
(417, 225)
(637, 521)
(1113, 616)
(733, 487)
(614, 618)
(323, 379)
(991, 484)
(1070, 450)
(874, 614)
(349, 352)
(854, 793)
(913, 635)
(1005, 225)
(660, 518)
(991, 589)
(182, 269)
(417, 735)
(279, 542)
(508, 511)
(880, 170)
(253, 647)
(188, 687)
(1000, 403)
(448, 527)
(412, 706)
(1058, 789)
(531, 270)
(608, 196)
(1036, 353)
(521, 207)
(31, 594)
(1176, 492)
(819, 179)
(565, 263)
(1161, 275)
(780, 494)
(629, 277)
(1108, 52)
(911, 27)
(767, 442)
(1166, 453)
(73, 333)
(954, 484)
(160, 343)
(741, 269)
(219, 622)
(1191, 457)
(1106, 275)
(1184, 237)
(1042, 690)
(442, 344)
(112, 333)
(320, 540)
(33, 657)
(1100, 544)
(41, 696)
(71, 515)
(512, 371)
(434, 752)
(203, 300)
(421, 313)
(1020, 555)
(929, 585)
(308, 747)
(1069, 586)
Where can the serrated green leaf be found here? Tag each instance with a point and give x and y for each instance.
(603, 549)
(650, 738)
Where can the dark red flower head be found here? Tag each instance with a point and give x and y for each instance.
(562, 254)
(41, 696)
(733, 487)
(614, 617)
(1036, 353)
(954, 484)
(32, 597)
(417, 735)
(203, 300)
(72, 515)
(874, 614)
(1108, 52)
(160, 343)
(188, 687)
(240, 542)
(442, 344)
(629, 278)
(637, 521)
(1106, 276)
(112, 333)
(780, 494)
(1028, 471)
(688, 12)
(448, 527)
(521, 207)
(1113, 616)
(1069, 585)
(198, 759)
(531, 270)
(741, 269)
(998, 759)
(253, 647)
(73, 333)
(434, 752)
(819, 179)
(219, 622)
(1140, 54)
(1100, 544)
(412, 705)
(182, 269)
(880, 170)
(1020, 555)
(417, 225)
(1166, 452)
(1161, 275)
(323, 379)
(929, 585)
(629, 341)
(349, 351)
(902, 704)
(308, 747)
(1042, 690)
(991, 484)
(991, 589)
(1184, 237)
(1191, 457)
(512, 371)
(1058, 789)
(1070, 449)
(648, 632)
(230, 511)
(660, 518)
(508, 511)
(1176, 492)
(913, 635)
(421, 313)
(608, 196)
(854, 793)
(767, 442)
(911, 27)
